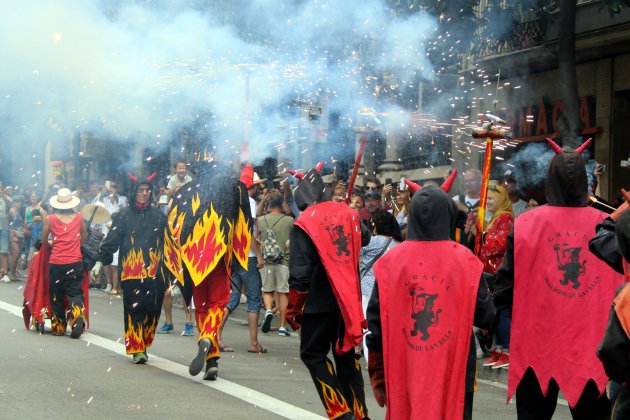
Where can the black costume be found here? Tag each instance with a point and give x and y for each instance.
(138, 233)
(313, 289)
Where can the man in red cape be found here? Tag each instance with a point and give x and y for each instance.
(324, 282)
(37, 292)
(560, 294)
(429, 292)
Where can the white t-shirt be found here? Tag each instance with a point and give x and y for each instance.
(174, 180)
(113, 207)
(252, 205)
(470, 202)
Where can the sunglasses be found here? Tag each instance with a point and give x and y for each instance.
(144, 190)
(372, 188)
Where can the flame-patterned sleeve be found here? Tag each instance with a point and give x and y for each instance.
(113, 240)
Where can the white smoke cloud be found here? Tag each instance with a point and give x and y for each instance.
(139, 70)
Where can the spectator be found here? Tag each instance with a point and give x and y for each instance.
(275, 273)
(113, 202)
(372, 200)
(66, 263)
(179, 179)
(493, 248)
(380, 242)
(356, 199)
(465, 204)
(16, 236)
(400, 209)
(250, 278)
(518, 205)
(33, 216)
(5, 206)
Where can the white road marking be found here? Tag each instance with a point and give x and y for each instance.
(250, 396)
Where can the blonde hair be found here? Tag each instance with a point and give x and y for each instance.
(504, 205)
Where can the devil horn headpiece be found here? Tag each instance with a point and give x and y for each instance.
(319, 166)
(559, 150)
(446, 185)
(583, 147)
(413, 186)
(298, 175)
(132, 177)
(152, 176)
(626, 195)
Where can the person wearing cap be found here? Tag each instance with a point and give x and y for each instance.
(66, 263)
(137, 233)
(511, 185)
(559, 294)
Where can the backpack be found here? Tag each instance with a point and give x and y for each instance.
(272, 253)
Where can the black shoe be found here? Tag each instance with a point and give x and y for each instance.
(77, 328)
(266, 325)
(197, 363)
(212, 370)
(140, 358)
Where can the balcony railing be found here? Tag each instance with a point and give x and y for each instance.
(524, 35)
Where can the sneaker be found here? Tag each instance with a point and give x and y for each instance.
(283, 332)
(188, 330)
(165, 329)
(266, 325)
(503, 361)
(494, 356)
(212, 370)
(5, 279)
(197, 363)
(107, 288)
(140, 358)
(77, 328)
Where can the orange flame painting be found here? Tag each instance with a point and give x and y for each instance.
(194, 203)
(154, 257)
(241, 240)
(208, 327)
(134, 342)
(336, 405)
(173, 259)
(204, 247)
(133, 265)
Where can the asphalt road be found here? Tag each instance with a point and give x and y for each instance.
(48, 377)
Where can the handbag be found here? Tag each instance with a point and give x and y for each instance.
(89, 249)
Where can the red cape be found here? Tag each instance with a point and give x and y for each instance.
(427, 292)
(335, 231)
(562, 296)
(37, 290)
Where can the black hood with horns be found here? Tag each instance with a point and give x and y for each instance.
(567, 183)
(310, 190)
(432, 215)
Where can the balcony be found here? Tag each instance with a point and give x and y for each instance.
(532, 40)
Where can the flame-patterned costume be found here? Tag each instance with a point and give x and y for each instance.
(209, 224)
(137, 232)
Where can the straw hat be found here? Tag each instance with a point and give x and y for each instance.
(101, 215)
(64, 200)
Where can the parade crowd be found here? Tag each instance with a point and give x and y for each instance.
(387, 272)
